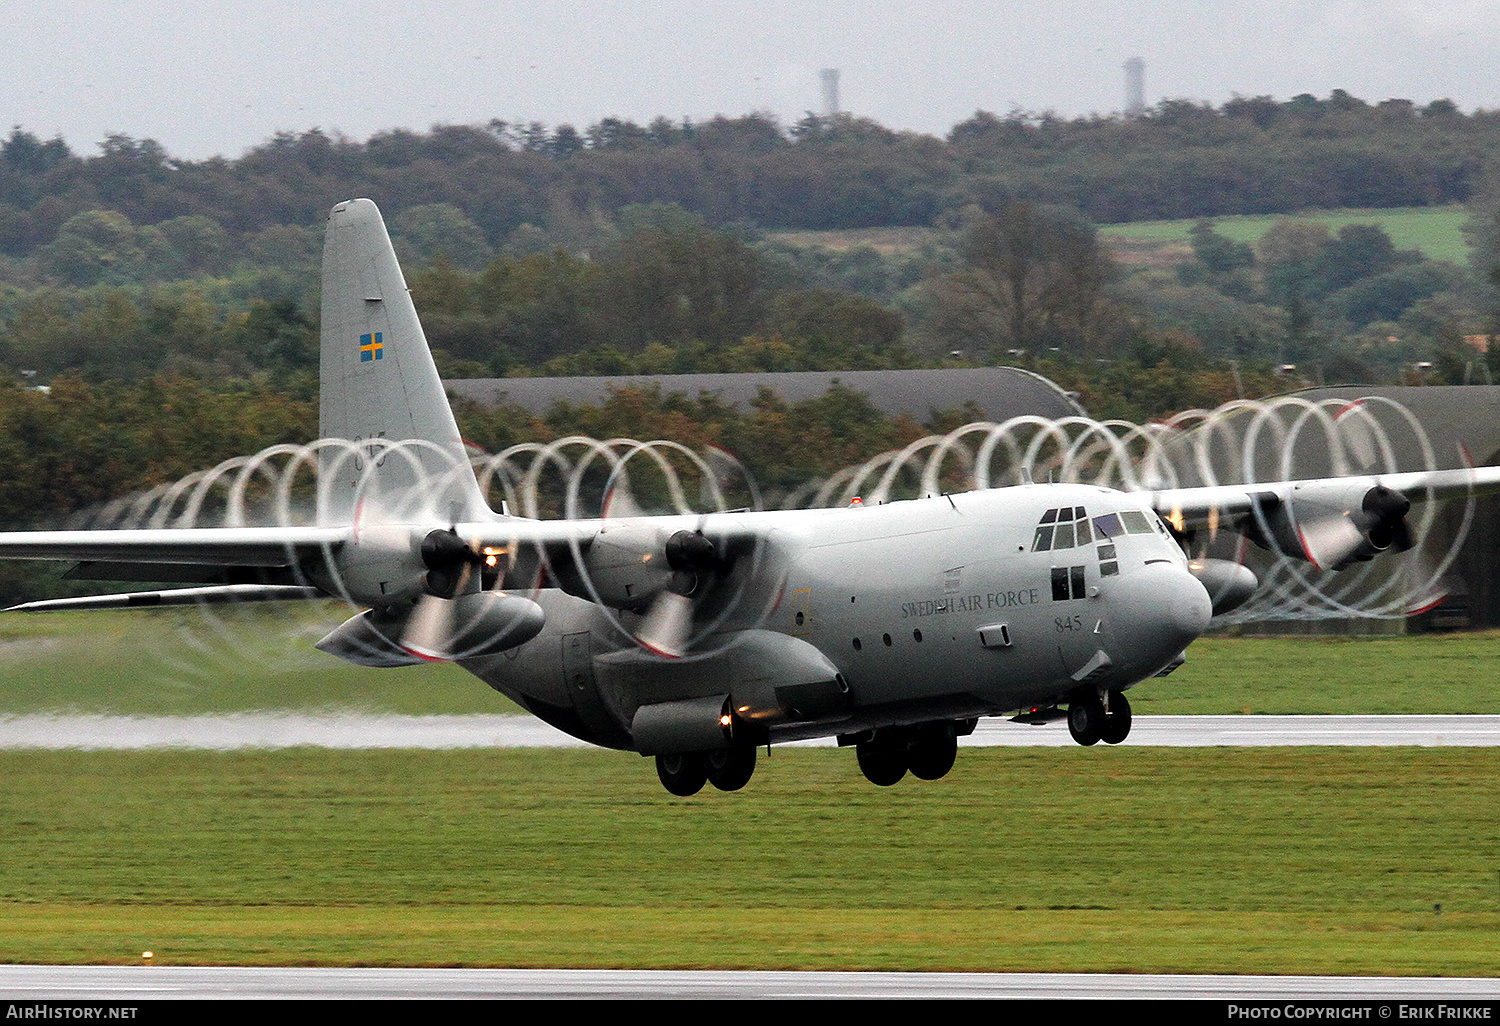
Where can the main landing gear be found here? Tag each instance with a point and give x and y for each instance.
(1091, 720)
(728, 769)
(927, 750)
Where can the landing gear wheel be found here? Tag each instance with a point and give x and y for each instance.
(1086, 720)
(934, 746)
(1117, 723)
(682, 773)
(882, 764)
(730, 769)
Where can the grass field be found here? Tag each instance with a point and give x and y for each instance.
(1435, 231)
(191, 661)
(1307, 860)
(1120, 860)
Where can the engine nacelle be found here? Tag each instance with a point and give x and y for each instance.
(380, 566)
(628, 567)
(1330, 523)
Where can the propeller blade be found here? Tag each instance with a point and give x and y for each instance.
(1357, 429)
(430, 629)
(667, 626)
(619, 502)
(1424, 586)
(1329, 541)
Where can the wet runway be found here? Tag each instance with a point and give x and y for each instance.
(364, 730)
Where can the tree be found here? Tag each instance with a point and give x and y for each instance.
(92, 247)
(1034, 274)
(1359, 251)
(1219, 253)
(183, 247)
(424, 233)
(1290, 252)
(681, 283)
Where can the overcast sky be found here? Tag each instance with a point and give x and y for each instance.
(220, 77)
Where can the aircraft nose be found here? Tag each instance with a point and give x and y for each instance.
(1168, 608)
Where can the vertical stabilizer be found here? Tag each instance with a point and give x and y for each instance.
(380, 388)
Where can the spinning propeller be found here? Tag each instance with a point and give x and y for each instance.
(668, 624)
(433, 625)
(684, 582)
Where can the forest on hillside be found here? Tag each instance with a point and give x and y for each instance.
(152, 294)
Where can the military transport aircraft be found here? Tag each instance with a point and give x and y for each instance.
(697, 639)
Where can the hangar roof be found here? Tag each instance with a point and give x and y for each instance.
(1457, 418)
(999, 392)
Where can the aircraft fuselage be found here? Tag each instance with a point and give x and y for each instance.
(952, 607)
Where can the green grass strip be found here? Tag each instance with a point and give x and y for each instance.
(1435, 231)
(1316, 860)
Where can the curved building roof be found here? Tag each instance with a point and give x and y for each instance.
(999, 392)
(1458, 419)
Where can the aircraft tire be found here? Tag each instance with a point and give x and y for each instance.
(1086, 721)
(682, 773)
(933, 749)
(882, 764)
(1117, 723)
(730, 769)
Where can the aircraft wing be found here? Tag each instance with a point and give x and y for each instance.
(243, 564)
(228, 546)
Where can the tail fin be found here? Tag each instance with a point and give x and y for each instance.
(379, 384)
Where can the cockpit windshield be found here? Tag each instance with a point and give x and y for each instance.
(1070, 526)
(1062, 529)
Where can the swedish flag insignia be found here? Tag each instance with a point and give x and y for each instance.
(370, 347)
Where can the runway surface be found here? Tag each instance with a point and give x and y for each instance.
(357, 730)
(116, 984)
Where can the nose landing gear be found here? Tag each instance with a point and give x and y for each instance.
(1091, 720)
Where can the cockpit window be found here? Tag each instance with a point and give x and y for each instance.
(1062, 538)
(1082, 528)
(1108, 526)
(1135, 522)
(1062, 529)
